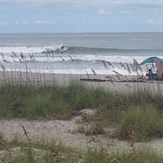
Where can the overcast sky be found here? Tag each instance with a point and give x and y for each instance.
(31, 16)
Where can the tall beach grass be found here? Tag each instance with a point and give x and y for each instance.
(138, 114)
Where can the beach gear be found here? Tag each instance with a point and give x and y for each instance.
(159, 66)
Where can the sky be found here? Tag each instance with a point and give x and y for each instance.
(80, 16)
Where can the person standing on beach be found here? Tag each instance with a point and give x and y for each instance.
(149, 74)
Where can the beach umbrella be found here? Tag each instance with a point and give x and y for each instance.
(151, 60)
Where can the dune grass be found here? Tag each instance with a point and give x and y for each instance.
(40, 150)
(138, 114)
(139, 155)
(141, 123)
(50, 101)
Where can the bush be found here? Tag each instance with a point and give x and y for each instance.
(141, 123)
(142, 155)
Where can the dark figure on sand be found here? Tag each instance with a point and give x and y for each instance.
(149, 74)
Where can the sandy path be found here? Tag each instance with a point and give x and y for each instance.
(57, 130)
(65, 131)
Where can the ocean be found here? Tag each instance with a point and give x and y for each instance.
(78, 53)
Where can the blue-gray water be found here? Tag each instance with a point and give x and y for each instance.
(77, 53)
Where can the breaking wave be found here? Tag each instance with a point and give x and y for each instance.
(61, 49)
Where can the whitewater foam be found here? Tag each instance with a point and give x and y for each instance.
(77, 53)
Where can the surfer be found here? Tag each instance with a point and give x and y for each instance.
(62, 48)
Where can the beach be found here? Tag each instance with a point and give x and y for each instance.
(107, 82)
(67, 131)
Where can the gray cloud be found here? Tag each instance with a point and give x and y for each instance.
(44, 22)
(103, 11)
(3, 24)
(151, 22)
(103, 15)
(125, 11)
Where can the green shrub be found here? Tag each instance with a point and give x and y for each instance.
(141, 123)
(142, 155)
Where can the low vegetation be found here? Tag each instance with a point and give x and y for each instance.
(133, 156)
(41, 150)
(141, 123)
(53, 101)
(137, 116)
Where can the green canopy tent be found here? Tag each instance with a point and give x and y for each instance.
(151, 60)
(158, 64)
